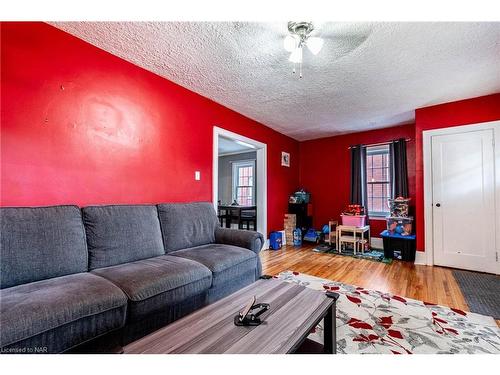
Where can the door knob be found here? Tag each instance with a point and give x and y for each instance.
(438, 204)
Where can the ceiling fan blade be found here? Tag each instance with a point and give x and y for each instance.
(314, 44)
(290, 43)
(296, 56)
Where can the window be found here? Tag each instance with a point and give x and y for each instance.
(378, 180)
(244, 182)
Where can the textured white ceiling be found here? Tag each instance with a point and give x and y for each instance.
(368, 75)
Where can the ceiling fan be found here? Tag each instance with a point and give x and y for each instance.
(343, 38)
(299, 37)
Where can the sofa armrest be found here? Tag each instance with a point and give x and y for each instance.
(243, 238)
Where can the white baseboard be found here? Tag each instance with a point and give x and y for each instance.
(266, 245)
(283, 237)
(377, 243)
(421, 258)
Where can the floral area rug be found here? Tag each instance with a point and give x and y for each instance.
(370, 321)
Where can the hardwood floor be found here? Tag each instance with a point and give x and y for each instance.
(425, 283)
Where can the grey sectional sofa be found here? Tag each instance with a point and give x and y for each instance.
(71, 276)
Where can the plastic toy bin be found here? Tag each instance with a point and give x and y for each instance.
(400, 225)
(353, 220)
(399, 207)
(403, 244)
(275, 240)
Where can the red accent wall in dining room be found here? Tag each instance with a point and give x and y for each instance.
(82, 126)
(325, 170)
(463, 112)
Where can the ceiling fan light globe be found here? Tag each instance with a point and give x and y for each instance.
(314, 44)
(296, 56)
(290, 43)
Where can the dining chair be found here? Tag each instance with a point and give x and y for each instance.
(249, 217)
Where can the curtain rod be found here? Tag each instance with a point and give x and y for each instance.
(381, 143)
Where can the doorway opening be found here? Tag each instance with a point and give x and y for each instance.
(240, 180)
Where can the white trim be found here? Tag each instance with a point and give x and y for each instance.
(427, 172)
(234, 177)
(237, 152)
(427, 156)
(421, 258)
(266, 245)
(248, 161)
(380, 150)
(377, 243)
(283, 237)
(261, 166)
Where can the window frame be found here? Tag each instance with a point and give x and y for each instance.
(371, 151)
(235, 177)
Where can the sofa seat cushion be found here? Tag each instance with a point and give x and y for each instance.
(171, 279)
(31, 309)
(226, 262)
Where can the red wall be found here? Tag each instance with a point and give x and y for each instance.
(80, 125)
(325, 170)
(463, 112)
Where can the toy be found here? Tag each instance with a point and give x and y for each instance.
(275, 240)
(300, 196)
(312, 236)
(354, 216)
(354, 210)
(353, 220)
(297, 237)
(399, 207)
(399, 225)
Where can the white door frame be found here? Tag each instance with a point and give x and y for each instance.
(428, 191)
(261, 164)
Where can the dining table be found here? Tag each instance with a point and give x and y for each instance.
(234, 212)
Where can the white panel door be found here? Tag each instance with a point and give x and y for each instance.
(463, 176)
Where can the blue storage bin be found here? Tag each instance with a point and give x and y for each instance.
(275, 240)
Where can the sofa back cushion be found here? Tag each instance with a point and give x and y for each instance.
(39, 243)
(186, 225)
(121, 234)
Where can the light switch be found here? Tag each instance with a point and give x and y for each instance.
(197, 175)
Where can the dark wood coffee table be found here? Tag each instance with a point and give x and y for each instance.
(294, 311)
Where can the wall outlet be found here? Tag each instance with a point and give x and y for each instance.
(197, 175)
